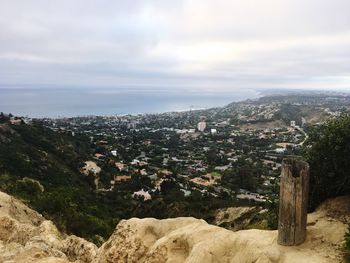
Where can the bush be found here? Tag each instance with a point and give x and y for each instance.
(272, 206)
(328, 152)
(347, 245)
(28, 188)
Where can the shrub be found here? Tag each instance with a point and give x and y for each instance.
(328, 152)
(347, 245)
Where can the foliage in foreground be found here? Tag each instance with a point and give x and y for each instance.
(327, 150)
(347, 245)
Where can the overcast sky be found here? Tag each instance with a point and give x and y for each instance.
(197, 44)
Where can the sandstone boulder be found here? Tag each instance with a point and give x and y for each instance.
(192, 240)
(25, 236)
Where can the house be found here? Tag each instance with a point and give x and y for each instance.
(280, 150)
(158, 183)
(135, 162)
(121, 178)
(147, 142)
(201, 126)
(143, 163)
(165, 173)
(142, 194)
(251, 196)
(91, 167)
(143, 172)
(121, 166)
(99, 156)
(15, 121)
(223, 168)
(200, 182)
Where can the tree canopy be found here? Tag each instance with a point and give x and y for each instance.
(328, 152)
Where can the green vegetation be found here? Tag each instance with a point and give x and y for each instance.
(215, 174)
(272, 207)
(347, 245)
(42, 168)
(288, 113)
(328, 152)
(244, 175)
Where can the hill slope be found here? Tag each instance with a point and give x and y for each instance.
(42, 168)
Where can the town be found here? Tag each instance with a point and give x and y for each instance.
(234, 151)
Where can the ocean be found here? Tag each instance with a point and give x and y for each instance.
(70, 102)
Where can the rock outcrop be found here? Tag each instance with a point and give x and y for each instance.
(193, 240)
(25, 236)
(236, 218)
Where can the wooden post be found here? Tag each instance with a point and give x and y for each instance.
(294, 190)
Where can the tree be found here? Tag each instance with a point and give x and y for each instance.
(328, 152)
(212, 157)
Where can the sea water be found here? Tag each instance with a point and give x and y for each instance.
(69, 102)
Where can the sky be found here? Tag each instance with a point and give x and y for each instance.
(175, 44)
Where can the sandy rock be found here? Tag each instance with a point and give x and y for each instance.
(25, 236)
(192, 240)
(9, 250)
(13, 231)
(235, 218)
(52, 260)
(34, 255)
(138, 238)
(45, 246)
(78, 249)
(15, 209)
(49, 232)
(337, 208)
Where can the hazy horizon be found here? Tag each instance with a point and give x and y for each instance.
(79, 101)
(183, 50)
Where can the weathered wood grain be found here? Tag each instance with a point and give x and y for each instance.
(294, 190)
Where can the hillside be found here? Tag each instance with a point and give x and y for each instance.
(42, 168)
(26, 236)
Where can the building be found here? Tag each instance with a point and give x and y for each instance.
(15, 121)
(91, 167)
(131, 125)
(142, 194)
(121, 178)
(303, 121)
(292, 124)
(201, 126)
(121, 166)
(280, 150)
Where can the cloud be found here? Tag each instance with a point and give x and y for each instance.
(221, 44)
